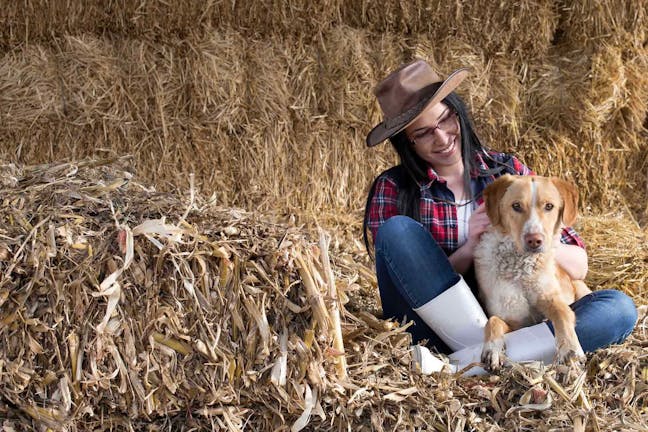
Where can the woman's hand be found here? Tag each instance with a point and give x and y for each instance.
(477, 224)
(462, 258)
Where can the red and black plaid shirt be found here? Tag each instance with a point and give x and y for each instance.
(440, 217)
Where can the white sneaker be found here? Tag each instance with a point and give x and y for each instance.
(535, 343)
(427, 363)
(525, 344)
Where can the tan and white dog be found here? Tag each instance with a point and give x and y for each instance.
(519, 281)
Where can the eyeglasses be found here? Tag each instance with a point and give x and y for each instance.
(447, 123)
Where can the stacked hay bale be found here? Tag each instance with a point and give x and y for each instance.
(130, 309)
(268, 103)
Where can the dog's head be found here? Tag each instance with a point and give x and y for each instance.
(531, 209)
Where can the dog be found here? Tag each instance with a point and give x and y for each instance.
(520, 282)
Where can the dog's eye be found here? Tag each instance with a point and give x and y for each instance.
(517, 206)
(549, 206)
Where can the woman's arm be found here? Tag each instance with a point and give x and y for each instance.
(383, 204)
(462, 258)
(572, 259)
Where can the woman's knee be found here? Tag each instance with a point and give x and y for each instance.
(627, 310)
(397, 230)
(624, 314)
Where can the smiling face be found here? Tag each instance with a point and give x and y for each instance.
(436, 136)
(530, 209)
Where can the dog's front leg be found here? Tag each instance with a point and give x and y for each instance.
(492, 355)
(564, 323)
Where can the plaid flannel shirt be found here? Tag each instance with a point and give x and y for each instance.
(439, 217)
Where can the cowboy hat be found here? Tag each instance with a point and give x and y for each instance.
(405, 94)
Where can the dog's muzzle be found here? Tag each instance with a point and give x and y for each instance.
(534, 242)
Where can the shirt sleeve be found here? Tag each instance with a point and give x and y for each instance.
(520, 168)
(384, 204)
(571, 237)
(512, 164)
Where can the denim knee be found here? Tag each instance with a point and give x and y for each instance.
(626, 311)
(409, 259)
(395, 229)
(604, 318)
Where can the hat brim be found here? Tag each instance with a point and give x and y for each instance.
(381, 132)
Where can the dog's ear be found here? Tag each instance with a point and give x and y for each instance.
(493, 195)
(569, 194)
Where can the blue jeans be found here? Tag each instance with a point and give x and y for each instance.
(412, 269)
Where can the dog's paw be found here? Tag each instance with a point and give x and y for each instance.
(492, 356)
(570, 355)
(570, 364)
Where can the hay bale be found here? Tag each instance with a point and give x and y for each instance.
(193, 92)
(183, 300)
(495, 27)
(589, 22)
(30, 88)
(618, 253)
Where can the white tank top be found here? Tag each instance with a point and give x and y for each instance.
(463, 215)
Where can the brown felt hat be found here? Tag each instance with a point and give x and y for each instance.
(405, 94)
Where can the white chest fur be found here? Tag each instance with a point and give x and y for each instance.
(510, 282)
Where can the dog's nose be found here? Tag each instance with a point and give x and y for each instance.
(533, 241)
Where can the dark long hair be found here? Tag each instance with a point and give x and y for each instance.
(414, 169)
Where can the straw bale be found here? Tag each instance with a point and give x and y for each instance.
(126, 308)
(93, 83)
(609, 87)
(399, 17)
(267, 81)
(291, 170)
(634, 112)
(347, 76)
(588, 22)
(208, 73)
(90, 76)
(276, 17)
(521, 30)
(30, 88)
(579, 112)
(494, 92)
(557, 90)
(349, 63)
(185, 99)
(38, 20)
(502, 26)
(493, 89)
(35, 21)
(449, 54)
(618, 253)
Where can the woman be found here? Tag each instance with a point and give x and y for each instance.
(426, 215)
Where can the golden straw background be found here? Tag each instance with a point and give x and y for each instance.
(269, 102)
(164, 166)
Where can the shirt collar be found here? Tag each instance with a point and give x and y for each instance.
(480, 164)
(432, 175)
